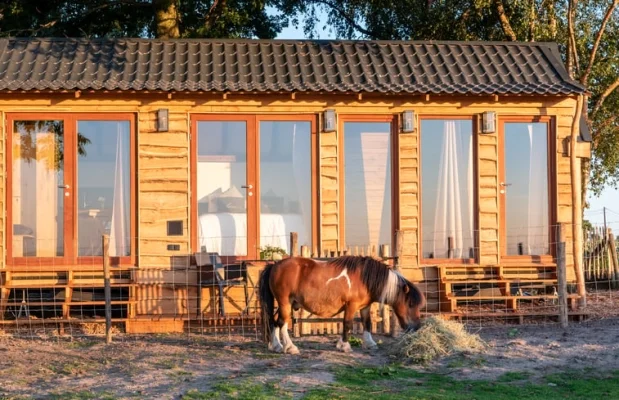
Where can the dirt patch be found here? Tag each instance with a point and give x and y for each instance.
(169, 366)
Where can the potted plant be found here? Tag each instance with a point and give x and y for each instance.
(272, 253)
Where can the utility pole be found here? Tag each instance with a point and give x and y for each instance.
(605, 227)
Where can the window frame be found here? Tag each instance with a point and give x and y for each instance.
(551, 134)
(475, 205)
(395, 172)
(253, 174)
(70, 256)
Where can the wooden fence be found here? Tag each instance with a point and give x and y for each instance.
(600, 256)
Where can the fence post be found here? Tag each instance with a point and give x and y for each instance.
(107, 289)
(399, 246)
(294, 238)
(613, 269)
(562, 277)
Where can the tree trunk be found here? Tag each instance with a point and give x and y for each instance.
(507, 27)
(167, 19)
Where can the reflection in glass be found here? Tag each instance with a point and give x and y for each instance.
(38, 191)
(103, 187)
(221, 175)
(526, 193)
(367, 183)
(285, 183)
(447, 189)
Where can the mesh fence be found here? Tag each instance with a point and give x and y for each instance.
(215, 292)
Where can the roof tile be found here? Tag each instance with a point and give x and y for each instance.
(283, 65)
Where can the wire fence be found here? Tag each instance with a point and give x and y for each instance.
(194, 294)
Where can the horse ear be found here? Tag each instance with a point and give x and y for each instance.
(406, 288)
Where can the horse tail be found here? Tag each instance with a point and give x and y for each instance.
(267, 303)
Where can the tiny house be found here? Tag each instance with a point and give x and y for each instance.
(177, 147)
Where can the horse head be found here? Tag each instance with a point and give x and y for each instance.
(407, 305)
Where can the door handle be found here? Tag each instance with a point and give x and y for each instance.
(64, 187)
(505, 184)
(247, 186)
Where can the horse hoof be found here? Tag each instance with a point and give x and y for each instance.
(292, 350)
(277, 348)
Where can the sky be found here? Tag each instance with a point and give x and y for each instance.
(609, 198)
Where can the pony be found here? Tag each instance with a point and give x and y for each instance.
(326, 288)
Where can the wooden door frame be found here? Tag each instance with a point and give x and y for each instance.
(551, 131)
(251, 149)
(393, 119)
(71, 157)
(475, 205)
(253, 173)
(313, 120)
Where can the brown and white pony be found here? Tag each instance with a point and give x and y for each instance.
(326, 288)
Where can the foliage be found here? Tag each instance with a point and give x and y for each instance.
(595, 61)
(139, 18)
(268, 252)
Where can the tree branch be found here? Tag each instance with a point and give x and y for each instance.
(572, 53)
(507, 28)
(214, 12)
(348, 19)
(598, 39)
(603, 97)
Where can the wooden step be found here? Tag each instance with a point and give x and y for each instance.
(510, 297)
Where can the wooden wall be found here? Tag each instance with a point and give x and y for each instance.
(163, 161)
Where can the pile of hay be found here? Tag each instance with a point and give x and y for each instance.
(436, 338)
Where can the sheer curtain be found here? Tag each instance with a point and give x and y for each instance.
(300, 163)
(119, 229)
(537, 230)
(453, 217)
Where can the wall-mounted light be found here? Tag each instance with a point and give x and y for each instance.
(408, 121)
(328, 121)
(162, 120)
(488, 122)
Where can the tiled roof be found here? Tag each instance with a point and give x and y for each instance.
(284, 65)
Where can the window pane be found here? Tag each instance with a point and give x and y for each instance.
(285, 183)
(38, 193)
(103, 187)
(447, 189)
(526, 196)
(221, 175)
(367, 183)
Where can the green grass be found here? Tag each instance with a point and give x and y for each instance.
(393, 382)
(247, 390)
(83, 395)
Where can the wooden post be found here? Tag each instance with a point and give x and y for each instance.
(614, 268)
(399, 240)
(305, 251)
(294, 238)
(384, 251)
(107, 289)
(562, 278)
(575, 181)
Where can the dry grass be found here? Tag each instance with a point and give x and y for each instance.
(436, 338)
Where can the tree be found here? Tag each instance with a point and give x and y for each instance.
(139, 18)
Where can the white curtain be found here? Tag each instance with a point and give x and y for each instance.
(537, 229)
(119, 230)
(453, 217)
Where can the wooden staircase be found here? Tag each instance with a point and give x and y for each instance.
(472, 283)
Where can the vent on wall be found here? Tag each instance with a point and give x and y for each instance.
(175, 228)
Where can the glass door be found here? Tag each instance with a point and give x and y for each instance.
(285, 177)
(225, 185)
(40, 192)
(524, 189)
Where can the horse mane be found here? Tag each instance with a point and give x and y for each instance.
(376, 276)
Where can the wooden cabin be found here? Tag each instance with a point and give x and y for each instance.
(178, 147)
